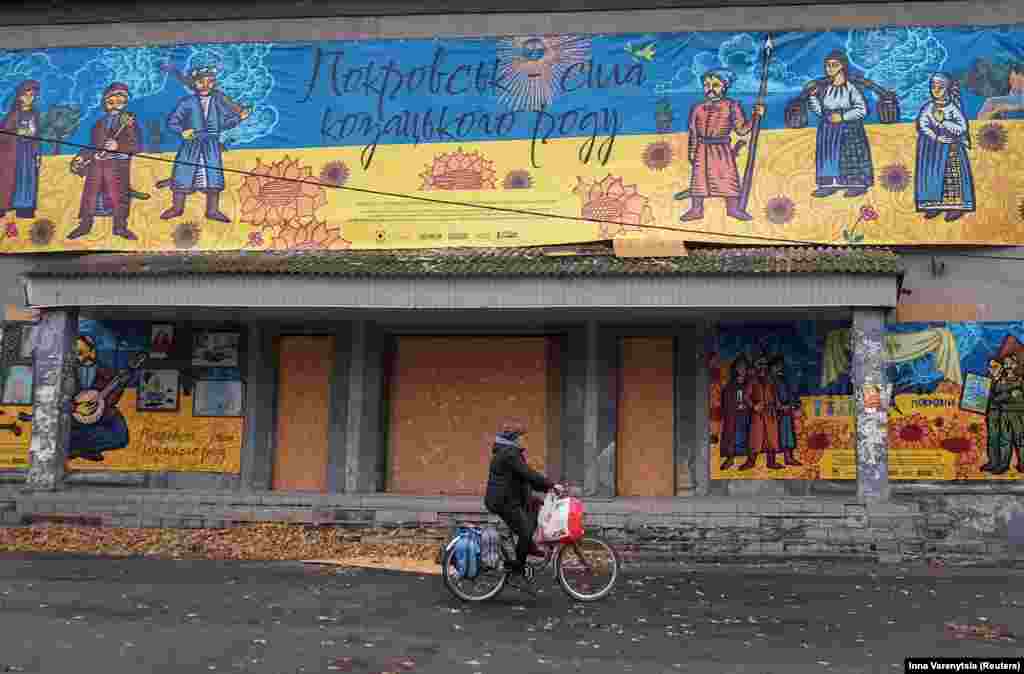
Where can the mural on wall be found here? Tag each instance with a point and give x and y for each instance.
(773, 415)
(132, 412)
(958, 401)
(890, 135)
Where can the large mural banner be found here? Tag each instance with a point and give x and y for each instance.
(774, 412)
(149, 398)
(958, 401)
(891, 135)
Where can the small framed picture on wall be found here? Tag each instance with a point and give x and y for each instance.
(215, 349)
(218, 398)
(18, 385)
(158, 391)
(161, 341)
(27, 342)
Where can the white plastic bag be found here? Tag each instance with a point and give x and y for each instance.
(553, 521)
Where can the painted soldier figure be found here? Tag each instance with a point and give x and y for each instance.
(1005, 417)
(200, 119)
(108, 170)
(20, 153)
(710, 148)
(735, 433)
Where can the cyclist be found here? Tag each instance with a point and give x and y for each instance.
(509, 483)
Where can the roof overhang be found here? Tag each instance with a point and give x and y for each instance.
(754, 291)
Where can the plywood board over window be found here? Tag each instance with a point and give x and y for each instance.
(646, 417)
(448, 395)
(303, 406)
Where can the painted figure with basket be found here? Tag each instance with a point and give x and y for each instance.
(842, 153)
(107, 171)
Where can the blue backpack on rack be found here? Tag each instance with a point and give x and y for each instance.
(467, 552)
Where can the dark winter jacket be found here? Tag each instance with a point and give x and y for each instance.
(510, 479)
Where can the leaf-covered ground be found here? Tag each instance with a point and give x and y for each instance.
(406, 550)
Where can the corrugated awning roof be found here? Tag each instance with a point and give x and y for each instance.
(578, 261)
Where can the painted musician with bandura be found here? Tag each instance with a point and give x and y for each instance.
(97, 425)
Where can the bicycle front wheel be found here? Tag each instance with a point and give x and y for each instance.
(486, 585)
(587, 569)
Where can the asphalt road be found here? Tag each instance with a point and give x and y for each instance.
(73, 614)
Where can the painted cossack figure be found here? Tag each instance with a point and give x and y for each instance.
(735, 434)
(107, 170)
(97, 425)
(788, 409)
(710, 148)
(843, 154)
(20, 153)
(199, 119)
(764, 419)
(944, 180)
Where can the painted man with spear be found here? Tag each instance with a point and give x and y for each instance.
(711, 151)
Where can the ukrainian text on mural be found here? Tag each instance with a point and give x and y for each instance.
(890, 135)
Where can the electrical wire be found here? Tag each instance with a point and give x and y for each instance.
(500, 209)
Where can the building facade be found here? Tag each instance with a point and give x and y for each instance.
(783, 399)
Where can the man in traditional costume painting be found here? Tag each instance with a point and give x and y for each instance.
(734, 437)
(944, 180)
(710, 148)
(788, 409)
(843, 155)
(20, 154)
(764, 420)
(108, 170)
(200, 119)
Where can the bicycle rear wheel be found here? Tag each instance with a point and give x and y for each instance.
(486, 585)
(587, 569)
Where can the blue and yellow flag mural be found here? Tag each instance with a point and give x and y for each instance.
(882, 136)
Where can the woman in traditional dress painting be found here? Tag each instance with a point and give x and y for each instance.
(944, 181)
(20, 154)
(843, 155)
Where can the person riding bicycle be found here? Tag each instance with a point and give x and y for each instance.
(509, 483)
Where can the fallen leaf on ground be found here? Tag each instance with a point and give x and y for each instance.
(984, 632)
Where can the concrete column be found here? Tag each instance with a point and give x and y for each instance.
(599, 411)
(337, 439)
(260, 402)
(692, 446)
(574, 366)
(54, 377)
(363, 435)
(867, 347)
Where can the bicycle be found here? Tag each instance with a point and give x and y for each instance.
(566, 572)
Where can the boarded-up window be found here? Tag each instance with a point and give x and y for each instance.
(303, 400)
(448, 394)
(646, 414)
